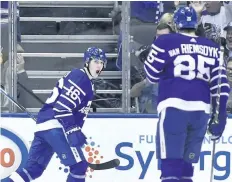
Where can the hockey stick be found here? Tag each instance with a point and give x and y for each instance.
(31, 93)
(17, 104)
(221, 62)
(42, 102)
(212, 161)
(106, 165)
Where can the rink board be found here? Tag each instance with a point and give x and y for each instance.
(130, 138)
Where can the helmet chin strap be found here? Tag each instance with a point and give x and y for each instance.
(88, 71)
(87, 66)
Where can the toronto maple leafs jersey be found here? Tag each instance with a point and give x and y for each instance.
(69, 102)
(187, 70)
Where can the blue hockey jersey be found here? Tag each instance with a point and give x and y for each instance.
(186, 69)
(69, 102)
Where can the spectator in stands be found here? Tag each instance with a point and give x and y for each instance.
(213, 18)
(4, 51)
(145, 16)
(146, 92)
(228, 46)
(23, 97)
(167, 18)
(229, 75)
(4, 81)
(146, 11)
(1, 60)
(5, 32)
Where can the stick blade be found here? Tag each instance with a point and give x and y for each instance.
(107, 165)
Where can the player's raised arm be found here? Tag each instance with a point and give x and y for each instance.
(155, 62)
(220, 89)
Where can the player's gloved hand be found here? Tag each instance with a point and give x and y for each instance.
(216, 127)
(75, 137)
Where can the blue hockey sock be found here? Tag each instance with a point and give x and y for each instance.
(77, 172)
(187, 172)
(171, 170)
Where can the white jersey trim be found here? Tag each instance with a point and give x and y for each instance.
(157, 48)
(184, 105)
(47, 125)
(163, 152)
(28, 175)
(16, 177)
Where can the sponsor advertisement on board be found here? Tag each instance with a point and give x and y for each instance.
(131, 140)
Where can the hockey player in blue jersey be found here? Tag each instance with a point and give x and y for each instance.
(59, 123)
(187, 70)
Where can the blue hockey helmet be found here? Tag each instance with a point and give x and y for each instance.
(185, 18)
(96, 54)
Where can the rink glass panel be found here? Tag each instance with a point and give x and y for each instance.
(53, 40)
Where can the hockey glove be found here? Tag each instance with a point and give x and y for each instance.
(216, 128)
(75, 137)
(143, 52)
